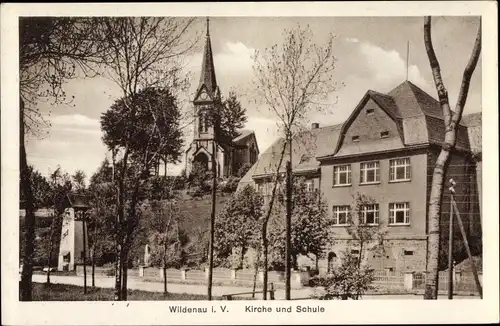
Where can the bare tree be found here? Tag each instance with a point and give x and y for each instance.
(145, 52)
(51, 51)
(451, 120)
(292, 79)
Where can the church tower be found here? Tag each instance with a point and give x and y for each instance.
(206, 102)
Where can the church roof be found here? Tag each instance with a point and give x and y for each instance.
(207, 77)
(244, 133)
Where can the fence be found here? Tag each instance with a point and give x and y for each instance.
(389, 280)
(385, 281)
(462, 281)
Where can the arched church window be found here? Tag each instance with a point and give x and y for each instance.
(207, 122)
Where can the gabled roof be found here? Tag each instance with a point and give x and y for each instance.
(412, 101)
(243, 134)
(417, 114)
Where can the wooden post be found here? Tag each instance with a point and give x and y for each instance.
(84, 255)
(288, 229)
(271, 294)
(450, 244)
(462, 230)
(212, 215)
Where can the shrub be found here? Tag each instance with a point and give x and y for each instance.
(243, 170)
(196, 192)
(348, 281)
(230, 185)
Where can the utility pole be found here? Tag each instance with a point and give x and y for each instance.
(467, 248)
(212, 216)
(288, 229)
(464, 236)
(450, 243)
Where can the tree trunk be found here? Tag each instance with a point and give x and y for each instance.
(266, 221)
(265, 244)
(256, 270)
(165, 264)
(29, 234)
(360, 256)
(165, 292)
(212, 220)
(242, 257)
(118, 272)
(288, 247)
(93, 265)
(51, 245)
(94, 244)
(451, 120)
(124, 275)
(294, 262)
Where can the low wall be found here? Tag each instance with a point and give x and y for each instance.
(385, 281)
(241, 276)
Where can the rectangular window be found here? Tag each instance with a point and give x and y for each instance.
(369, 111)
(370, 172)
(408, 252)
(342, 175)
(399, 213)
(355, 138)
(370, 214)
(340, 215)
(310, 185)
(262, 188)
(384, 134)
(400, 169)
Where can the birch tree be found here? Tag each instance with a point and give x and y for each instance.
(292, 80)
(451, 120)
(145, 53)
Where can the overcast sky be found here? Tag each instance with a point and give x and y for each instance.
(371, 54)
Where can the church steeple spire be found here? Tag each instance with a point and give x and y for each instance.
(207, 77)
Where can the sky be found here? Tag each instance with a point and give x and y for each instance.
(371, 54)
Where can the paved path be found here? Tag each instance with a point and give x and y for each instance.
(217, 290)
(137, 284)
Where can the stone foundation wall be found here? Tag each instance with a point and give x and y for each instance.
(400, 255)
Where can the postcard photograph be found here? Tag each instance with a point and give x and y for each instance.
(214, 157)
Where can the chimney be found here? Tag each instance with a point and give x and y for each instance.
(314, 125)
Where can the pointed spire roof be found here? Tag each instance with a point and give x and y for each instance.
(207, 76)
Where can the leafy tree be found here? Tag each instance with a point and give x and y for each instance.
(51, 51)
(237, 225)
(362, 233)
(166, 238)
(310, 225)
(232, 117)
(145, 56)
(292, 79)
(451, 121)
(40, 188)
(61, 186)
(243, 170)
(199, 180)
(348, 281)
(79, 181)
(101, 221)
